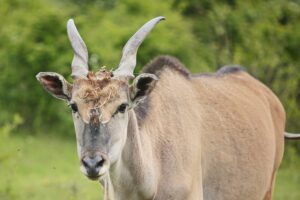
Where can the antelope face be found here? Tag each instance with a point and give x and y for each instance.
(100, 108)
(100, 115)
(100, 101)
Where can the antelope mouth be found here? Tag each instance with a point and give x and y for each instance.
(96, 177)
(93, 178)
(94, 167)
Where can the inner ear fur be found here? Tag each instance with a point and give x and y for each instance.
(55, 84)
(142, 86)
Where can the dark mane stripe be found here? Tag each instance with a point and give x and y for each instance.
(158, 64)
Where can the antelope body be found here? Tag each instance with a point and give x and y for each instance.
(171, 134)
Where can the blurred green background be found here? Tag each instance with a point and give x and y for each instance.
(37, 143)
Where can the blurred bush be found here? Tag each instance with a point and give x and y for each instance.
(33, 38)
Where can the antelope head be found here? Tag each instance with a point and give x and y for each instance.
(101, 101)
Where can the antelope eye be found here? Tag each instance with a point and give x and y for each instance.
(122, 107)
(74, 107)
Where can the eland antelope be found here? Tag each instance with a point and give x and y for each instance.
(170, 134)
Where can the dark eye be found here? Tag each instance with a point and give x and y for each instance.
(122, 107)
(74, 107)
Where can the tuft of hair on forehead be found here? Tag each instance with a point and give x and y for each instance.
(99, 88)
(102, 74)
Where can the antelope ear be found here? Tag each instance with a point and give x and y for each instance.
(55, 84)
(142, 86)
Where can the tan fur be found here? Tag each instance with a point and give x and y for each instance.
(242, 137)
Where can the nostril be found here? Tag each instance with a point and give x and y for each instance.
(100, 163)
(85, 163)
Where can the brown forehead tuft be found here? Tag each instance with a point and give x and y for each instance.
(100, 75)
(99, 87)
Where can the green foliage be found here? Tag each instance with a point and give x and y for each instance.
(34, 39)
(7, 128)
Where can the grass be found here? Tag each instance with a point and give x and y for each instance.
(287, 185)
(47, 168)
